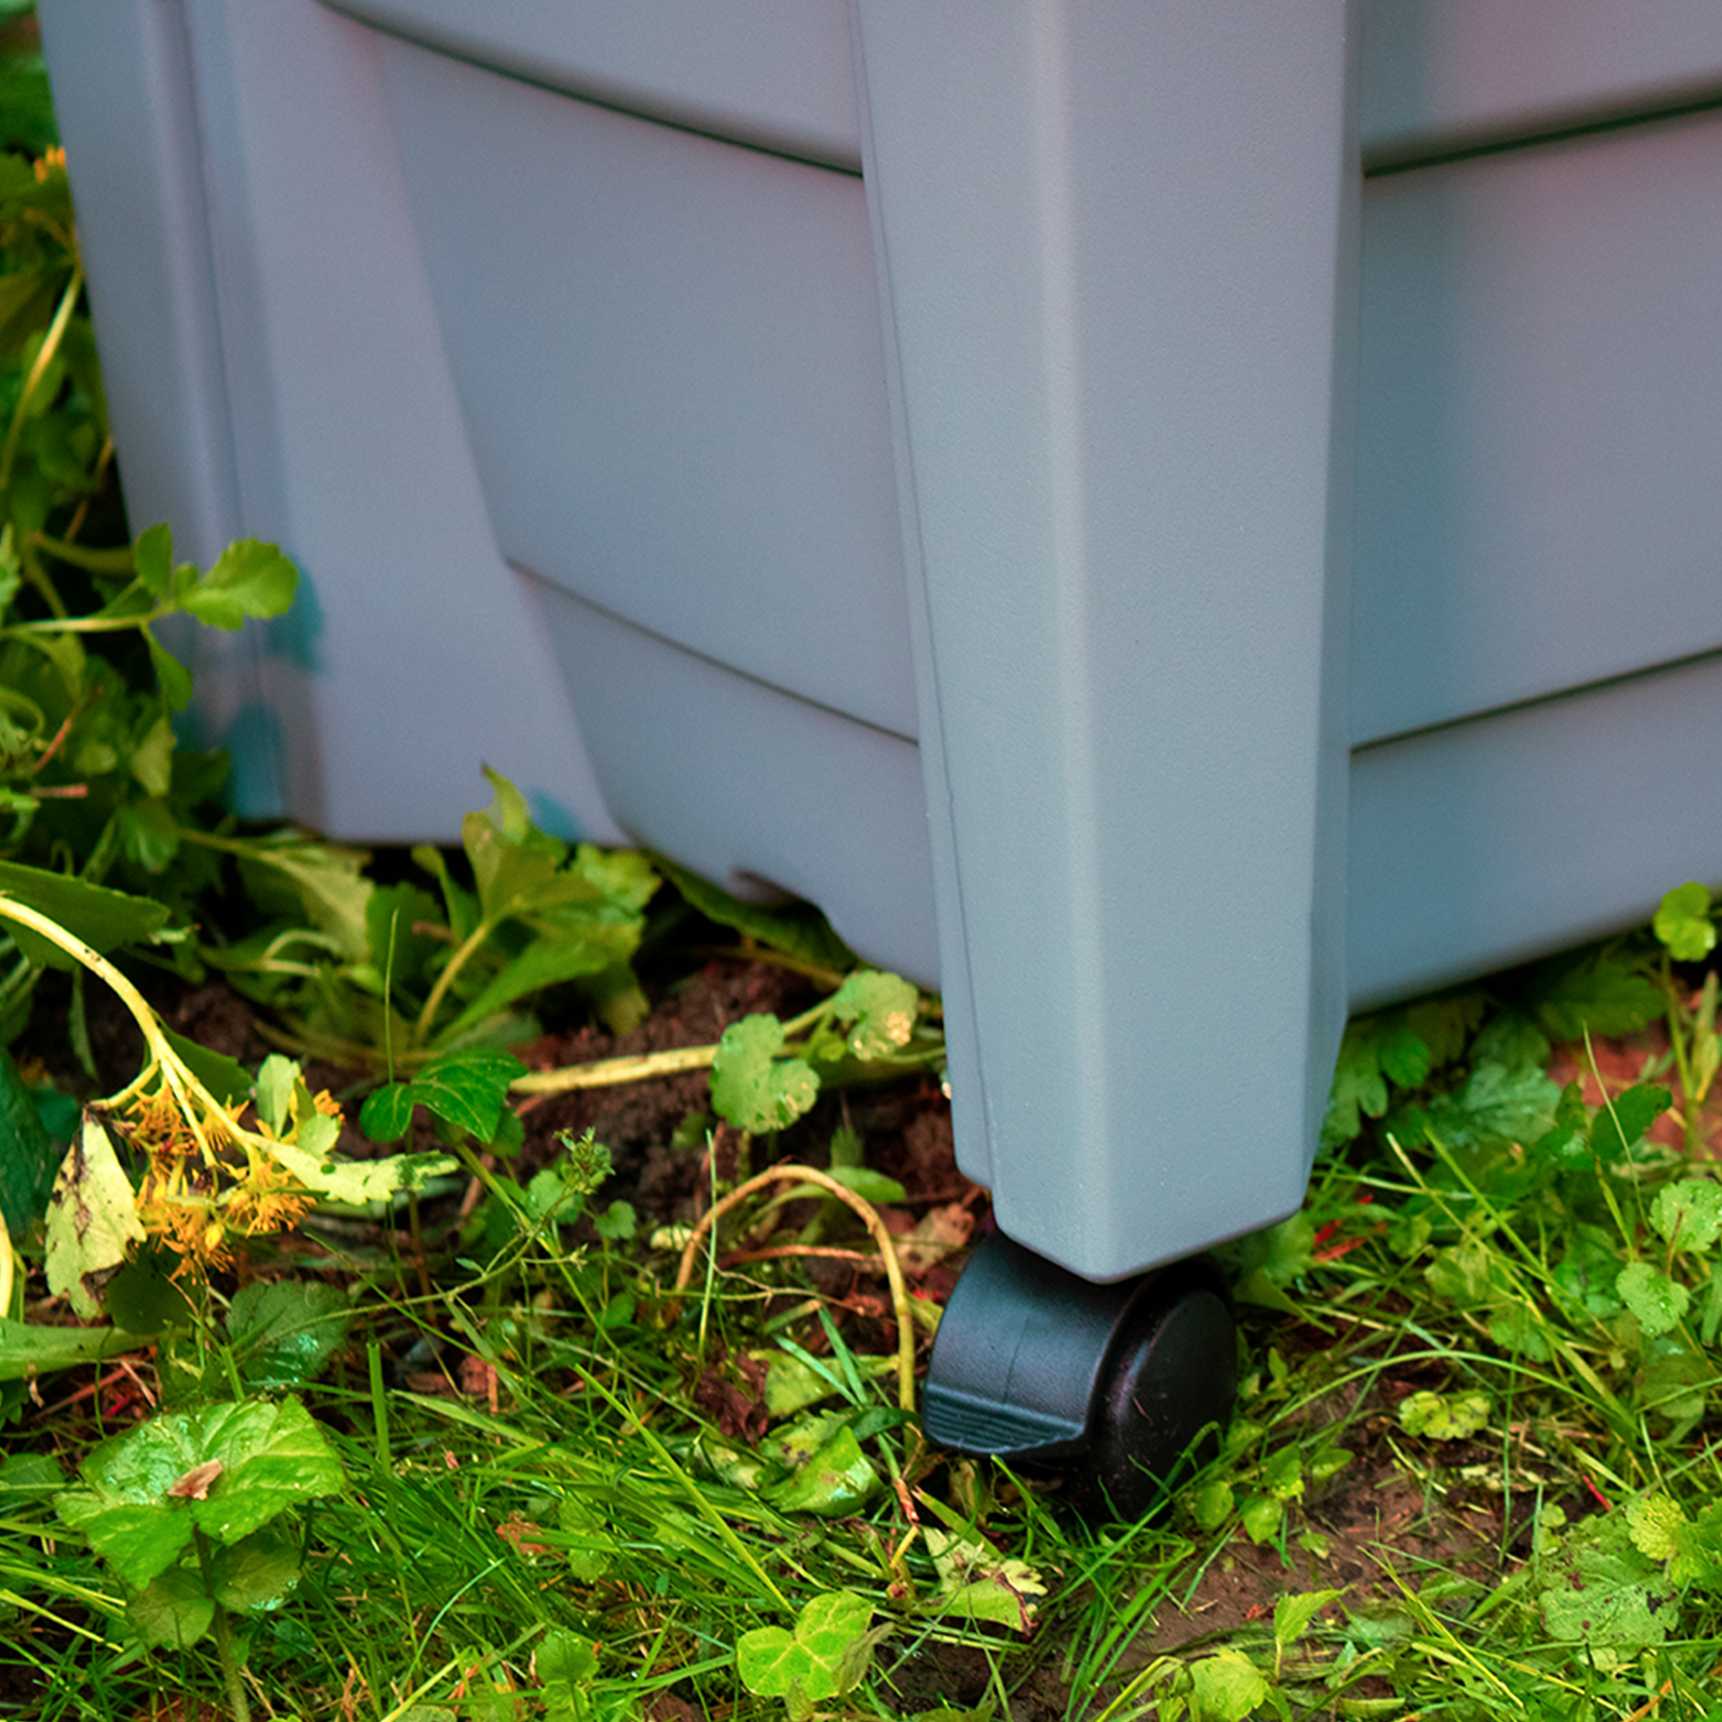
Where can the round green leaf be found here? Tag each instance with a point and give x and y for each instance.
(1653, 1297)
(752, 1086)
(1683, 923)
(174, 1611)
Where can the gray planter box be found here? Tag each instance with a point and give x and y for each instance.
(904, 453)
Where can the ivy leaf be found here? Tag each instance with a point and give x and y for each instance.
(103, 919)
(826, 1655)
(976, 1582)
(271, 1457)
(751, 1086)
(1226, 1688)
(92, 1220)
(1683, 923)
(284, 1333)
(835, 1481)
(173, 1611)
(878, 1010)
(1688, 1215)
(249, 580)
(1599, 992)
(1656, 1300)
(1442, 1416)
(256, 1569)
(466, 1090)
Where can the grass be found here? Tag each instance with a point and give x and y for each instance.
(1452, 1422)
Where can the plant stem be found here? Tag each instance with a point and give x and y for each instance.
(452, 968)
(115, 561)
(611, 1072)
(883, 1242)
(92, 624)
(45, 356)
(232, 1676)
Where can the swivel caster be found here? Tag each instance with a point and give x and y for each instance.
(1120, 1385)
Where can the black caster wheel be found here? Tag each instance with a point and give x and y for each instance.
(1123, 1387)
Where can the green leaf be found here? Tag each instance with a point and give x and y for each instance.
(1463, 1274)
(1688, 1215)
(152, 758)
(978, 1583)
(1444, 1416)
(590, 1556)
(250, 579)
(1619, 1126)
(1262, 1515)
(277, 1077)
(1226, 1688)
(1600, 992)
(560, 954)
(1683, 923)
(837, 1480)
(357, 1183)
(1519, 1330)
(1293, 1614)
(1404, 1056)
(869, 1185)
(171, 676)
(103, 919)
(1513, 1040)
(1656, 1300)
(27, 1155)
(751, 1086)
(1211, 1504)
(152, 560)
(797, 930)
(173, 1611)
(466, 1090)
(226, 1470)
(92, 1220)
(1496, 1104)
(878, 1010)
(27, 1349)
(292, 874)
(284, 1333)
(825, 1657)
(617, 1222)
(226, 1078)
(1359, 1089)
(1655, 1522)
(256, 1569)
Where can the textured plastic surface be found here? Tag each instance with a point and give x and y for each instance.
(1438, 75)
(1091, 306)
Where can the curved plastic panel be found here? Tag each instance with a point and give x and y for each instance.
(668, 351)
(769, 72)
(751, 787)
(1438, 75)
(1441, 75)
(1541, 415)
